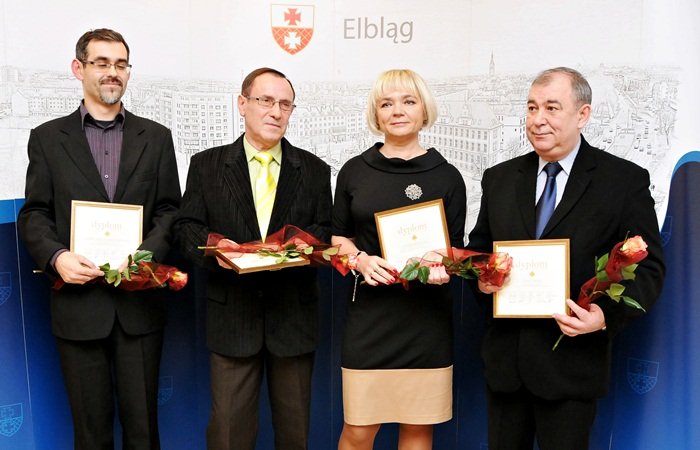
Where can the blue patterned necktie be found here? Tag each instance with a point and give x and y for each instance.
(548, 199)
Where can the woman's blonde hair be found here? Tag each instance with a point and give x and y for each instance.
(404, 80)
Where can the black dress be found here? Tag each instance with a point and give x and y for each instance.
(393, 333)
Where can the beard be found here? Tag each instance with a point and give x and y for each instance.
(112, 93)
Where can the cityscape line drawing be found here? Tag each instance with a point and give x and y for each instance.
(481, 119)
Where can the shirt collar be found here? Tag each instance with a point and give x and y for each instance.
(250, 151)
(84, 113)
(566, 163)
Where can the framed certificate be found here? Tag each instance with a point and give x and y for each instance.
(412, 231)
(539, 279)
(254, 262)
(105, 232)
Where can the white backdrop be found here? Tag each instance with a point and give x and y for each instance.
(641, 58)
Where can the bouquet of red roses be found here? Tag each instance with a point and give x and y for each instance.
(287, 243)
(140, 273)
(292, 242)
(490, 268)
(610, 269)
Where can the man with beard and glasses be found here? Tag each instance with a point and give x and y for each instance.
(109, 340)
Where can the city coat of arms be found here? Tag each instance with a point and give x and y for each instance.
(292, 26)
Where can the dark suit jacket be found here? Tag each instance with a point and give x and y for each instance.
(276, 309)
(606, 198)
(61, 169)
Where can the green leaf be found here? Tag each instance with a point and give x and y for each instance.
(628, 272)
(410, 272)
(119, 279)
(330, 251)
(142, 255)
(602, 276)
(308, 250)
(290, 247)
(615, 291)
(326, 257)
(629, 301)
(602, 261)
(469, 273)
(111, 276)
(447, 262)
(280, 260)
(423, 274)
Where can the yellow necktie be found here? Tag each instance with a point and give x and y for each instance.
(265, 188)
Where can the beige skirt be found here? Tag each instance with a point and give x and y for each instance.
(411, 396)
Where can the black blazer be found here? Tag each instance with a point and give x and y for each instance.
(606, 198)
(276, 309)
(61, 168)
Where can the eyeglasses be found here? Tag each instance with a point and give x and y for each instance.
(267, 102)
(103, 66)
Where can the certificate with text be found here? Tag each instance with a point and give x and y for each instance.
(105, 232)
(255, 262)
(412, 232)
(538, 285)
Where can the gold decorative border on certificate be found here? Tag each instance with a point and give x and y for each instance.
(422, 229)
(537, 287)
(89, 244)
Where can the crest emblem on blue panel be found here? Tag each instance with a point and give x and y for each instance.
(11, 418)
(5, 286)
(642, 374)
(165, 390)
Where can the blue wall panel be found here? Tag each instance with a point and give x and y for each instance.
(654, 400)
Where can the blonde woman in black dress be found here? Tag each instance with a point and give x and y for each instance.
(397, 343)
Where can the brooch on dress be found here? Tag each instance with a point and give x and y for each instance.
(413, 191)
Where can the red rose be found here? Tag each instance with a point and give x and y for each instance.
(496, 269)
(624, 254)
(177, 280)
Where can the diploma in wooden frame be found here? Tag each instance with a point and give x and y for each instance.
(538, 285)
(105, 232)
(412, 232)
(255, 262)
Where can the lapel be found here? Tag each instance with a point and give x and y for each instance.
(287, 186)
(527, 184)
(578, 182)
(133, 145)
(76, 146)
(237, 183)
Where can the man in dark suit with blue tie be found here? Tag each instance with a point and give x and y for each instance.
(109, 340)
(262, 322)
(564, 189)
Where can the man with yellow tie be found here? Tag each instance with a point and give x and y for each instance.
(263, 321)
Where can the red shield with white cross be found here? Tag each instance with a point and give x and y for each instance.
(292, 26)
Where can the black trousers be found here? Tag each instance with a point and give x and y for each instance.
(517, 418)
(97, 371)
(235, 389)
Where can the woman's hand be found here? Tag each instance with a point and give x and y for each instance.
(375, 269)
(438, 274)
